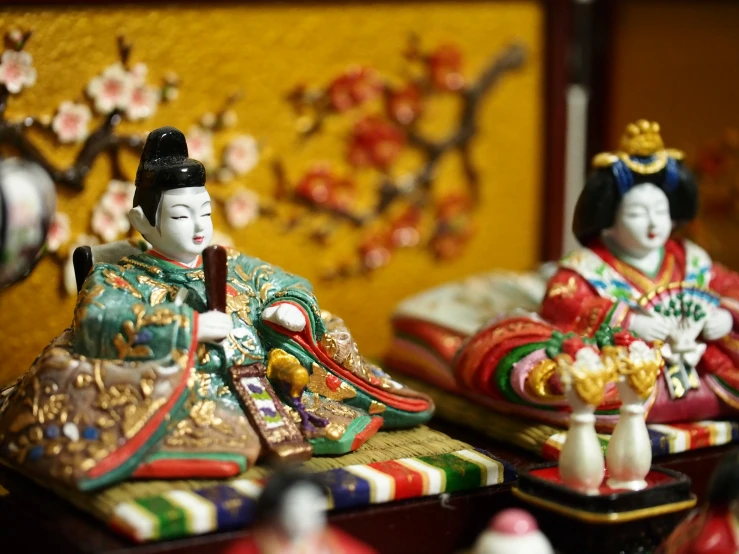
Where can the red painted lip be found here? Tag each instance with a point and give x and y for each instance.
(652, 235)
(198, 240)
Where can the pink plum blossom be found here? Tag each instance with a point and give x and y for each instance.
(118, 198)
(112, 89)
(242, 208)
(16, 70)
(143, 104)
(70, 122)
(242, 154)
(108, 226)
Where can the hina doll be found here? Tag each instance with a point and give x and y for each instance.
(291, 519)
(513, 531)
(714, 529)
(629, 275)
(150, 382)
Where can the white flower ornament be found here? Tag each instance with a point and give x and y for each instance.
(242, 208)
(71, 121)
(16, 70)
(242, 154)
(112, 89)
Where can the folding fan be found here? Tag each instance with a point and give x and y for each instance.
(686, 308)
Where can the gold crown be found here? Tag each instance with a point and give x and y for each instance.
(642, 138)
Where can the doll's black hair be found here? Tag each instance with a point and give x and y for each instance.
(596, 207)
(164, 166)
(274, 492)
(724, 485)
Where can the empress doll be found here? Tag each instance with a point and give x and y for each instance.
(628, 275)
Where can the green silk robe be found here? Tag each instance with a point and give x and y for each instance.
(129, 392)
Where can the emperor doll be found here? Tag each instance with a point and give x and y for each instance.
(149, 382)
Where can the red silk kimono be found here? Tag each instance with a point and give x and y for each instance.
(590, 288)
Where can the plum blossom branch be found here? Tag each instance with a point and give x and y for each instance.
(120, 91)
(376, 141)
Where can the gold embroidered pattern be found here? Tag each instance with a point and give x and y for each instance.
(161, 290)
(566, 290)
(202, 354)
(204, 381)
(71, 412)
(141, 265)
(85, 299)
(125, 345)
(376, 407)
(239, 304)
(246, 355)
(318, 385)
(116, 280)
(642, 282)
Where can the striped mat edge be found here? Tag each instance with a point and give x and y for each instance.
(665, 438)
(231, 505)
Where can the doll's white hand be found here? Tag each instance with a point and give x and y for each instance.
(649, 327)
(718, 324)
(214, 326)
(285, 315)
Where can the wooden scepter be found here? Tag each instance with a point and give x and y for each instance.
(215, 269)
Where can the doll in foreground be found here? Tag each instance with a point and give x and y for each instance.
(151, 382)
(513, 531)
(291, 519)
(714, 529)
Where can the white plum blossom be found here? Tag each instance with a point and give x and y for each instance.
(59, 232)
(118, 197)
(112, 89)
(109, 226)
(70, 122)
(242, 208)
(200, 145)
(70, 282)
(143, 103)
(242, 154)
(110, 216)
(16, 70)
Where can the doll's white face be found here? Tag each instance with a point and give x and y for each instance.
(303, 511)
(184, 227)
(643, 222)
